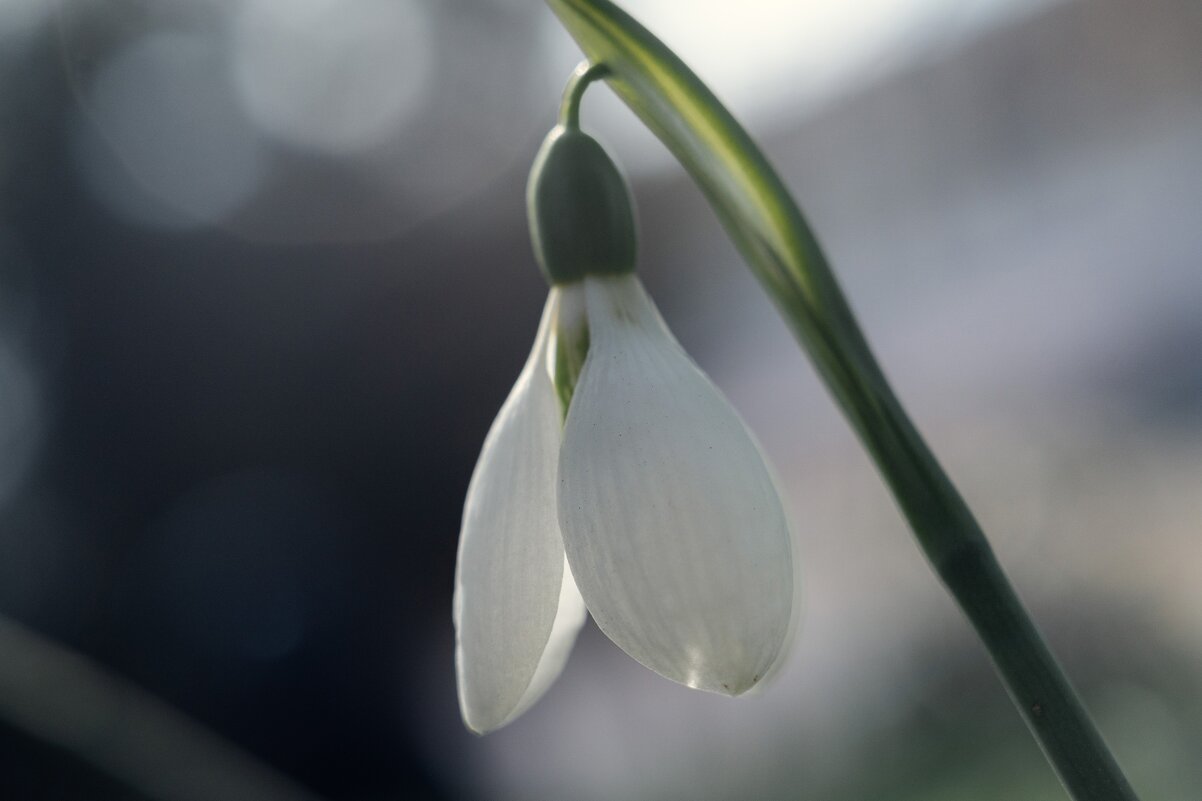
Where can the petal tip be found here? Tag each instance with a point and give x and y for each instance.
(738, 686)
(483, 716)
(480, 729)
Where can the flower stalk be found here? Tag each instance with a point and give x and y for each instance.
(767, 226)
(584, 75)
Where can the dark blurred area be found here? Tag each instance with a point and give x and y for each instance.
(265, 280)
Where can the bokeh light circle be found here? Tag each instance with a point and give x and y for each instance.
(335, 76)
(164, 107)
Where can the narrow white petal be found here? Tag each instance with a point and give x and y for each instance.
(568, 619)
(516, 609)
(671, 521)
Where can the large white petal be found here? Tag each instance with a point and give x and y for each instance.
(516, 608)
(671, 521)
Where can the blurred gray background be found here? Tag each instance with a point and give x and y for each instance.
(265, 280)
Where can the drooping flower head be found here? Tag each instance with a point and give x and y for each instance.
(615, 478)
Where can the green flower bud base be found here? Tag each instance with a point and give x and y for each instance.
(579, 207)
(581, 221)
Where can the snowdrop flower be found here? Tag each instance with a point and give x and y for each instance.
(615, 478)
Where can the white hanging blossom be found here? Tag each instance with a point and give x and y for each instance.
(616, 477)
(673, 528)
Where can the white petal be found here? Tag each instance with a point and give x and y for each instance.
(671, 521)
(795, 611)
(516, 608)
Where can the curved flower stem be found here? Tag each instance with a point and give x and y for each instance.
(584, 75)
(771, 233)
